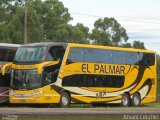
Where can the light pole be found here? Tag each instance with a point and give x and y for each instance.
(25, 22)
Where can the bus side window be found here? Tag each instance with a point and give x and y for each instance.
(147, 59)
(56, 53)
(75, 55)
(132, 58)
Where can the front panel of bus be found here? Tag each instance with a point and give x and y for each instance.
(35, 68)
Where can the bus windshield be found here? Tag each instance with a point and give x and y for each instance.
(30, 54)
(26, 79)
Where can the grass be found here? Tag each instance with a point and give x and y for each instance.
(75, 117)
(78, 117)
(54, 106)
(152, 105)
(87, 117)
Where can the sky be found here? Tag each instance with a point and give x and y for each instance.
(141, 18)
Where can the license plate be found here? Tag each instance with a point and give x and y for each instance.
(22, 100)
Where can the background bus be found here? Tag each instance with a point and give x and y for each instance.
(77, 73)
(7, 53)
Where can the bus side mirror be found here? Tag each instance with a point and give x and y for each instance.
(41, 66)
(4, 68)
(58, 59)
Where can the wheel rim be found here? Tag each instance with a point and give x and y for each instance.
(64, 100)
(125, 100)
(136, 100)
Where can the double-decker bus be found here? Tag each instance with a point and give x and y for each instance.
(7, 53)
(77, 73)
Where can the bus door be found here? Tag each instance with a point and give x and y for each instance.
(51, 71)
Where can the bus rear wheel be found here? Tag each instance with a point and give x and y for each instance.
(64, 100)
(136, 99)
(125, 101)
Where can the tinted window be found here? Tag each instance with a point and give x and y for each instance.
(5, 80)
(147, 59)
(133, 58)
(119, 57)
(93, 81)
(105, 56)
(74, 81)
(110, 57)
(90, 55)
(75, 55)
(83, 55)
(56, 53)
(7, 54)
(30, 54)
(152, 59)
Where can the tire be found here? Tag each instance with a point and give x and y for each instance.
(136, 99)
(64, 100)
(125, 101)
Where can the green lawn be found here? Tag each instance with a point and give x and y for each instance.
(152, 105)
(74, 117)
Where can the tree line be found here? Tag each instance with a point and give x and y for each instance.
(49, 21)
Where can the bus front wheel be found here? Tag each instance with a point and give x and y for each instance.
(64, 100)
(125, 101)
(136, 99)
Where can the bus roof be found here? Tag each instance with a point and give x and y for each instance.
(9, 45)
(111, 48)
(45, 44)
(87, 45)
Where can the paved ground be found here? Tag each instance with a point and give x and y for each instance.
(79, 111)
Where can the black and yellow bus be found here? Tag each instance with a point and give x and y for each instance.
(77, 73)
(7, 53)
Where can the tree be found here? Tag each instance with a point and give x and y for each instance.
(74, 34)
(100, 37)
(44, 17)
(52, 13)
(108, 31)
(127, 45)
(158, 65)
(48, 21)
(138, 45)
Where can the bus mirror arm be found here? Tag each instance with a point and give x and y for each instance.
(4, 68)
(69, 61)
(45, 65)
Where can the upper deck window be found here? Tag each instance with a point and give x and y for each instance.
(75, 55)
(133, 58)
(30, 54)
(147, 59)
(119, 57)
(95, 55)
(56, 53)
(7, 54)
(90, 55)
(105, 56)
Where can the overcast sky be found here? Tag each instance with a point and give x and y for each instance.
(141, 18)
